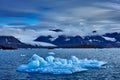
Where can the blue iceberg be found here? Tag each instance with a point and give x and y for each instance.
(58, 66)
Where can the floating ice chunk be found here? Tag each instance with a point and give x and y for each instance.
(51, 53)
(58, 65)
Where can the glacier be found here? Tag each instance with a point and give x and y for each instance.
(54, 65)
(35, 43)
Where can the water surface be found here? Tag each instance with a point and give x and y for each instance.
(11, 59)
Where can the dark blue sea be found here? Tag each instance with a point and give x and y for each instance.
(11, 59)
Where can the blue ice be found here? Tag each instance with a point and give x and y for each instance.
(58, 65)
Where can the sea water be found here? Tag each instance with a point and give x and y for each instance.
(11, 59)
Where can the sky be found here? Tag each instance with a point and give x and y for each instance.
(28, 19)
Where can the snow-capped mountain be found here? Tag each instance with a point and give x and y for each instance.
(10, 42)
(106, 40)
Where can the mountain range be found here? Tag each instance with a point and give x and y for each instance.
(108, 40)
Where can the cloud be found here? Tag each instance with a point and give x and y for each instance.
(27, 19)
(110, 5)
(24, 34)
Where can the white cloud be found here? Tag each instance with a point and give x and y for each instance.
(25, 35)
(110, 5)
(87, 12)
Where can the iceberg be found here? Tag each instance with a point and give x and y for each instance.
(54, 65)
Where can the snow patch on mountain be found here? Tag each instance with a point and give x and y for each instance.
(67, 39)
(53, 38)
(109, 39)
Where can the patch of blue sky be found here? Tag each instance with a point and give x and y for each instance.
(3, 23)
(7, 20)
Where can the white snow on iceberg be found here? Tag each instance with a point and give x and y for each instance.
(58, 66)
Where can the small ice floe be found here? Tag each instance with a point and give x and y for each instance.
(58, 65)
(22, 55)
(51, 53)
